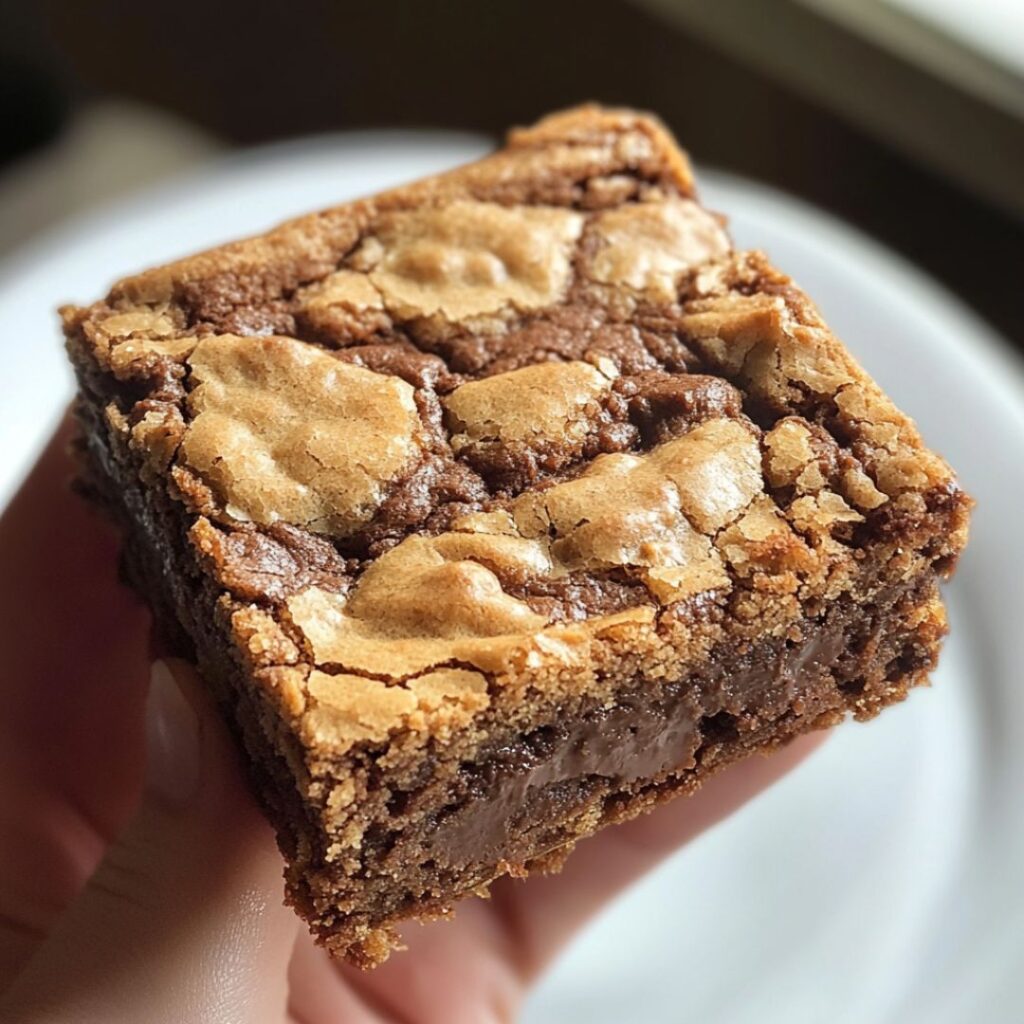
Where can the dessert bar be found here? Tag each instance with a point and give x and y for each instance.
(503, 506)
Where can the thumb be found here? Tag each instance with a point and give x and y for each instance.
(183, 919)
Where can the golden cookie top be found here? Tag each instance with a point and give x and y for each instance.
(517, 425)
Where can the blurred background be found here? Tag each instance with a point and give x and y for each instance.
(882, 882)
(905, 117)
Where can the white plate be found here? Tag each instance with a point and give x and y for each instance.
(881, 882)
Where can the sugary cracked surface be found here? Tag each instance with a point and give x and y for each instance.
(501, 506)
(501, 425)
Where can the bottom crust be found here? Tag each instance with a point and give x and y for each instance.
(522, 804)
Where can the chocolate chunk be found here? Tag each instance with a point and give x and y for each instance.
(645, 735)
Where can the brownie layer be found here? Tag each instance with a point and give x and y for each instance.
(538, 793)
(527, 796)
(647, 734)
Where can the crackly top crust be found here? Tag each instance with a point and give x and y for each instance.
(282, 432)
(528, 424)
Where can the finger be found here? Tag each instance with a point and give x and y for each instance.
(478, 968)
(465, 972)
(74, 638)
(183, 920)
(543, 914)
(71, 688)
(320, 992)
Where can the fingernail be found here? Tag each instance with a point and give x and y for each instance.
(172, 739)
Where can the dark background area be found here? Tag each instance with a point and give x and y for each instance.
(253, 72)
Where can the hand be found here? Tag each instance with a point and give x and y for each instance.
(138, 880)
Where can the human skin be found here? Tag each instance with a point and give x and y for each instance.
(139, 881)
